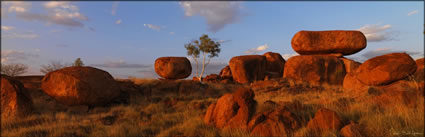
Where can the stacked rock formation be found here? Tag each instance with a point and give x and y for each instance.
(173, 67)
(80, 86)
(321, 58)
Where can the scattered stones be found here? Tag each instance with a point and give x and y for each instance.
(315, 69)
(274, 64)
(248, 68)
(328, 42)
(324, 120)
(15, 102)
(173, 67)
(80, 86)
(382, 70)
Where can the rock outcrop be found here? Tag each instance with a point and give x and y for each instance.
(80, 86)
(419, 74)
(173, 67)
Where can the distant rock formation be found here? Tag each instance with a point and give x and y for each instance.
(173, 67)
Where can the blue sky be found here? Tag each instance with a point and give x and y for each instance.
(125, 38)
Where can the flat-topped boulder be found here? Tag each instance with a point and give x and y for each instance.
(248, 68)
(382, 70)
(315, 69)
(14, 101)
(328, 42)
(80, 86)
(173, 67)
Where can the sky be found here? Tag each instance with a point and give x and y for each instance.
(124, 38)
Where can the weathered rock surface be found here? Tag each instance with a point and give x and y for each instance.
(382, 70)
(274, 64)
(15, 102)
(328, 42)
(226, 72)
(403, 91)
(248, 68)
(351, 130)
(280, 122)
(80, 86)
(325, 120)
(173, 67)
(350, 65)
(232, 110)
(315, 69)
(419, 74)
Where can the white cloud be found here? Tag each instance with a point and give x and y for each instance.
(217, 14)
(154, 27)
(258, 49)
(412, 13)
(17, 6)
(114, 8)
(223, 41)
(121, 64)
(376, 33)
(61, 13)
(6, 28)
(382, 51)
(172, 33)
(287, 56)
(14, 55)
(118, 21)
(13, 35)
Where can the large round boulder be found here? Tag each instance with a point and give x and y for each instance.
(15, 102)
(248, 68)
(315, 69)
(173, 67)
(80, 86)
(419, 74)
(382, 70)
(274, 64)
(328, 42)
(232, 111)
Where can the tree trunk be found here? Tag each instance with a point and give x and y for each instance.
(203, 67)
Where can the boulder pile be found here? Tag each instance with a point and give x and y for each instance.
(321, 58)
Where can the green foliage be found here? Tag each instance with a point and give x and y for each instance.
(207, 47)
(78, 62)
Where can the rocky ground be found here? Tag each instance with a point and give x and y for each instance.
(178, 108)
